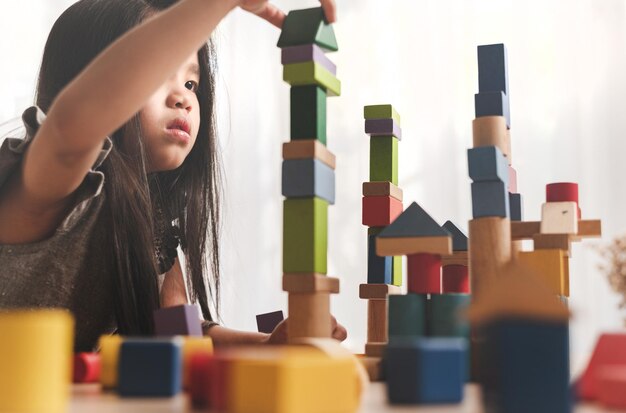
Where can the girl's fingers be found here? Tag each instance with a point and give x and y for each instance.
(340, 333)
(329, 10)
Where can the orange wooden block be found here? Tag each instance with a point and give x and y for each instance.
(373, 366)
(308, 149)
(377, 291)
(310, 283)
(375, 349)
(550, 266)
(377, 321)
(413, 245)
(382, 189)
(380, 211)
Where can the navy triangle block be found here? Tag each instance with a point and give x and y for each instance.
(459, 239)
(414, 222)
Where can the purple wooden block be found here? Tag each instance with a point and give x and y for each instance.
(266, 323)
(381, 127)
(182, 320)
(306, 53)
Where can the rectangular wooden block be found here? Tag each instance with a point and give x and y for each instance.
(307, 26)
(109, 356)
(377, 291)
(493, 104)
(492, 68)
(310, 283)
(306, 53)
(553, 241)
(413, 245)
(311, 73)
(380, 211)
(384, 159)
(550, 267)
(487, 163)
(490, 199)
(382, 189)
(307, 178)
(309, 315)
(375, 349)
(516, 206)
(305, 235)
(381, 112)
(383, 127)
(309, 149)
(489, 250)
(308, 113)
(407, 315)
(396, 271)
(559, 218)
(373, 366)
(492, 131)
(457, 258)
(182, 320)
(512, 180)
(379, 269)
(377, 321)
(445, 318)
(266, 323)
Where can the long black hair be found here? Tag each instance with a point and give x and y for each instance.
(188, 195)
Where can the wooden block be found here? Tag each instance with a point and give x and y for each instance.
(457, 258)
(384, 159)
(201, 373)
(373, 366)
(408, 246)
(492, 68)
(305, 235)
(377, 321)
(559, 218)
(181, 320)
(589, 228)
(424, 273)
(310, 283)
(87, 368)
(309, 315)
(308, 113)
(493, 104)
(525, 229)
(381, 112)
(516, 207)
(191, 347)
(445, 318)
(379, 269)
(512, 180)
(379, 211)
(306, 53)
(307, 178)
(486, 164)
(308, 149)
(267, 322)
(307, 26)
(311, 73)
(492, 131)
(383, 127)
(490, 199)
(550, 266)
(553, 241)
(609, 351)
(109, 357)
(489, 249)
(150, 367)
(459, 239)
(562, 192)
(382, 189)
(611, 383)
(396, 271)
(377, 291)
(407, 315)
(455, 279)
(375, 349)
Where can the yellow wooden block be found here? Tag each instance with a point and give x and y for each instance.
(550, 267)
(194, 345)
(292, 379)
(109, 357)
(35, 360)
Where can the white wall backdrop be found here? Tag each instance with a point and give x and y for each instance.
(567, 60)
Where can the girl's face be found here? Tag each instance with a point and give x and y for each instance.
(170, 119)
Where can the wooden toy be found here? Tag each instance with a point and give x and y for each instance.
(35, 360)
(396, 271)
(383, 127)
(407, 315)
(384, 159)
(559, 218)
(492, 69)
(86, 368)
(309, 149)
(201, 375)
(305, 235)
(310, 283)
(311, 73)
(381, 112)
(487, 163)
(150, 367)
(308, 113)
(459, 239)
(512, 180)
(490, 199)
(373, 349)
(382, 189)
(445, 315)
(611, 383)
(109, 358)
(379, 269)
(562, 242)
(379, 211)
(591, 228)
(424, 273)
(306, 53)
(455, 279)
(182, 320)
(373, 366)
(377, 321)
(492, 104)
(307, 26)
(492, 131)
(551, 266)
(425, 370)
(457, 258)
(562, 192)
(516, 207)
(609, 351)
(377, 291)
(266, 323)
(191, 347)
(489, 249)
(308, 178)
(309, 315)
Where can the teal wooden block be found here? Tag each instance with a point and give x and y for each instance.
(407, 315)
(445, 316)
(308, 26)
(308, 113)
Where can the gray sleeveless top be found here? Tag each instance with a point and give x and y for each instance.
(69, 269)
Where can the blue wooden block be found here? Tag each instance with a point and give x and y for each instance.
(525, 367)
(379, 269)
(516, 203)
(181, 320)
(487, 163)
(304, 178)
(150, 368)
(490, 199)
(425, 370)
(492, 69)
(407, 315)
(493, 104)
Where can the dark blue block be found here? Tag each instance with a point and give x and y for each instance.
(267, 322)
(487, 163)
(379, 269)
(490, 199)
(150, 368)
(492, 69)
(304, 178)
(492, 104)
(525, 367)
(425, 370)
(516, 203)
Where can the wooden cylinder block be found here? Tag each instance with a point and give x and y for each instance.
(563, 192)
(377, 321)
(489, 249)
(424, 273)
(516, 248)
(309, 315)
(492, 131)
(455, 279)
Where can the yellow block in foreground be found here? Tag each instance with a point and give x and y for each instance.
(551, 266)
(191, 346)
(35, 360)
(109, 358)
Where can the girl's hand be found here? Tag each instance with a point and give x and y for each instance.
(279, 335)
(266, 10)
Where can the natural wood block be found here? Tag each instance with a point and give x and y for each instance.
(424, 273)
(588, 228)
(305, 235)
(380, 211)
(553, 241)
(377, 321)
(381, 112)
(457, 258)
(382, 189)
(384, 159)
(407, 245)
(307, 26)
(489, 249)
(308, 113)
(307, 149)
(516, 247)
(373, 366)
(310, 283)
(550, 266)
(309, 315)
(492, 131)
(559, 218)
(311, 73)
(375, 349)
(377, 291)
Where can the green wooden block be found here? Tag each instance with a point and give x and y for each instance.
(445, 315)
(396, 271)
(311, 73)
(305, 235)
(384, 159)
(381, 112)
(307, 26)
(308, 113)
(407, 315)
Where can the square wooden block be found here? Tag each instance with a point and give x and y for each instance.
(559, 218)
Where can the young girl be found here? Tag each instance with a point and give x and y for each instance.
(118, 167)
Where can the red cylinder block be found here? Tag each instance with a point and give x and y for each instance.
(86, 368)
(201, 370)
(563, 192)
(455, 279)
(424, 273)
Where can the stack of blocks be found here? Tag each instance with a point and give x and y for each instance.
(308, 172)
(382, 203)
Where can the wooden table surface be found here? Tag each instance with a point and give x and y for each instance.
(89, 398)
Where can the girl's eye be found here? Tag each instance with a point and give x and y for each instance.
(192, 85)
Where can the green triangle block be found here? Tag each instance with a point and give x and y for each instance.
(414, 222)
(459, 239)
(308, 26)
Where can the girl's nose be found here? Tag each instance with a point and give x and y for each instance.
(178, 100)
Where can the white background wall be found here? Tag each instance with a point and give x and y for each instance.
(567, 60)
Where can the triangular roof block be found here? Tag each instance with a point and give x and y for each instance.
(307, 26)
(459, 239)
(414, 222)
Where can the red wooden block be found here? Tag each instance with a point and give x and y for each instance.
(201, 370)
(424, 273)
(380, 211)
(455, 279)
(611, 387)
(512, 180)
(563, 192)
(218, 386)
(610, 351)
(86, 368)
